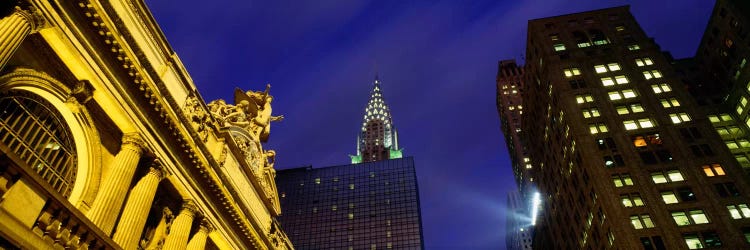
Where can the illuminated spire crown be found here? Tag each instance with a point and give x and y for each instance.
(378, 139)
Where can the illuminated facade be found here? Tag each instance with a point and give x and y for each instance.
(105, 142)
(622, 155)
(372, 205)
(718, 76)
(378, 139)
(510, 83)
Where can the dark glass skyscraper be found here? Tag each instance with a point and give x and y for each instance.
(369, 205)
(373, 205)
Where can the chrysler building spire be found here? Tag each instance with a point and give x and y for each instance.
(377, 139)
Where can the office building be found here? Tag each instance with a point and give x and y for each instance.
(621, 154)
(105, 143)
(372, 205)
(368, 205)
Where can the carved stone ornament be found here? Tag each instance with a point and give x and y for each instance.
(197, 116)
(153, 238)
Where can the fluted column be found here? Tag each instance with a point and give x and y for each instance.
(136, 209)
(13, 29)
(113, 189)
(198, 242)
(180, 229)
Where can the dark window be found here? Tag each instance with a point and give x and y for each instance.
(646, 242)
(576, 84)
(606, 143)
(726, 189)
(648, 157)
(664, 155)
(686, 194)
(711, 239)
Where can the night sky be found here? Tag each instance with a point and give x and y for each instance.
(437, 62)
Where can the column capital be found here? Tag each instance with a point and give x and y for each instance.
(33, 16)
(134, 140)
(157, 169)
(206, 226)
(190, 207)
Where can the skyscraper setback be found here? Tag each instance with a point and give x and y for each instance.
(370, 204)
(621, 154)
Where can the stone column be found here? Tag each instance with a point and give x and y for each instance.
(13, 29)
(180, 229)
(198, 242)
(113, 189)
(136, 209)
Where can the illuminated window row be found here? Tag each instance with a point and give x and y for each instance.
(739, 211)
(741, 105)
(668, 176)
(638, 124)
(621, 180)
(643, 62)
(641, 221)
(661, 88)
(570, 72)
(607, 68)
(593, 112)
(679, 118)
(720, 118)
(632, 200)
(669, 102)
(735, 144)
(652, 74)
(690, 217)
(622, 94)
(608, 81)
(630, 108)
(596, 128)
(584, 99)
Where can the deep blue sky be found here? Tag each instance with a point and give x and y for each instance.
(437, 61)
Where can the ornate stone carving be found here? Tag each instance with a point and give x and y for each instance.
(251, 111)
(134, 140)
(197, 116)
(153, 238)
(83, 91)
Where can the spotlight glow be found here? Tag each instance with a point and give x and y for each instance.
(535, 202)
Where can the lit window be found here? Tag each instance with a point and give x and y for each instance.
(720, 118)
(621, 79)
(584, 99)
(571, 72)
(670, 176)
(643, 62)
(739, 211)
(681, 218)
(713, 170)
(622, 180)
(559, 47)
(641, 221)
(661, 88)
(741, 105)
(692, 241)
(669, 103)
(640, 123)
(669, 197)
(679, 118)
(613, 66)
(600, 69)
(697, 216)
(607, 81)
(631, 200)
(634, 47)
(596, 128)
(620, 28)
(593, 112)
(617, 95)
(652, 74)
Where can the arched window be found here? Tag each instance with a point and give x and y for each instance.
(35, 131)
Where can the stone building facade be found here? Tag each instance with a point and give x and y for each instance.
(105, 142)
